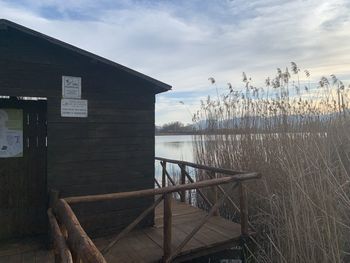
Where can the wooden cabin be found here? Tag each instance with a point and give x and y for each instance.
(88, 128)
(79, 129)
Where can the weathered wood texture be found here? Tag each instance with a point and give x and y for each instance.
(110, 151)
(201, 166)
(146, 245)
(164, 190)
(23, 194)
(244, 210)
(203, 196)
(167, 227)
(134, 224)
(198, 226)
(62, 253)
(80, 244)
(26, 250)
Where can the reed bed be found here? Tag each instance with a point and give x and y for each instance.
(296, 134)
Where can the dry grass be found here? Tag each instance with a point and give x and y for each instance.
(298, 138)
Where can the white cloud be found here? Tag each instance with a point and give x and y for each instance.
(186, 42)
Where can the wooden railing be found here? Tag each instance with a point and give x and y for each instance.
(82, 248)
(70, 241)
(210, 173)
(61, 250)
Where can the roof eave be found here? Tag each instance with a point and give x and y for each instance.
(160, 86)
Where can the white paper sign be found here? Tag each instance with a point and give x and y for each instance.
(71, 87)
(74, 108)
(11, 133)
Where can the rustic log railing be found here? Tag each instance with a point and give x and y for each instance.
(211, 172)
(61, 250)
(82, 248)
(71, 243)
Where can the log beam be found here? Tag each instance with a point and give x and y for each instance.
(160, 191)
(79, 243)
(62, 253)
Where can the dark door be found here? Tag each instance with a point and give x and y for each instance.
(23, 193)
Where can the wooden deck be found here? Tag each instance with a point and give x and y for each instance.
(30, 250)
(145, 245)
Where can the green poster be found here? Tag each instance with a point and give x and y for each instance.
(11, 133)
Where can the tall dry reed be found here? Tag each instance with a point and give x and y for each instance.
(297, 136)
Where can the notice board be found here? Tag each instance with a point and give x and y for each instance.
(11, 133)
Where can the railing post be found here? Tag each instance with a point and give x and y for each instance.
(167, 223)
(215, 194)
(244, 209)
(163, 164)
(53, 197)
(183, 181)
(76, 257)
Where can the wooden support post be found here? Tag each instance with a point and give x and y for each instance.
(183, 181)
(62, 253)
(215, 194)
(81, 246)
(244, 210)
(76, 258)
(167, 224)
(53, 197)
(172, 181)
(158, 191)
(244, 219)
(163, 164)
(202, 221)
(156, 181)
(206, 200)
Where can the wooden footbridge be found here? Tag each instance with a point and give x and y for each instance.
(181, 231)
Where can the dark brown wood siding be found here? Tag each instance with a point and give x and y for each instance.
(110, 151)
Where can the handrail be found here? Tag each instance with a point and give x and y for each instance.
(131, 226)
(168, 254)
(201, 166)
(84, 250)
(81, 246)
(183, 172)
(62, 253)
(169, 177)
(158, 191)
(168, 257)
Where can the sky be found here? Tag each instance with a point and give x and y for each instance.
(184, 43)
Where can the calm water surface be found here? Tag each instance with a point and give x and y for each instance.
(177, 147)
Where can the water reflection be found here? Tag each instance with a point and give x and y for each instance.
(177, 147)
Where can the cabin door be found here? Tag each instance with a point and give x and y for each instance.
(23, 193)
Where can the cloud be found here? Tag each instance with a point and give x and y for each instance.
(183, 43)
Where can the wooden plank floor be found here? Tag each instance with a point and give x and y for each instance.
(143, 245)
(29, 250)
(146, 245)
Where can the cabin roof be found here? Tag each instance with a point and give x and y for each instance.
(158, 85)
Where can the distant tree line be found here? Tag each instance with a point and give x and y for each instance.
(174, 128)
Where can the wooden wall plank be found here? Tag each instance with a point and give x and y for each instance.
(112, 149)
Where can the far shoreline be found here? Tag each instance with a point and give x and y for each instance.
(175, 133)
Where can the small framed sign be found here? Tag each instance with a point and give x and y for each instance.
(11, 133)
(74, 108)
(71, 87)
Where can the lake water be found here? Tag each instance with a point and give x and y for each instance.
(176, 147)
